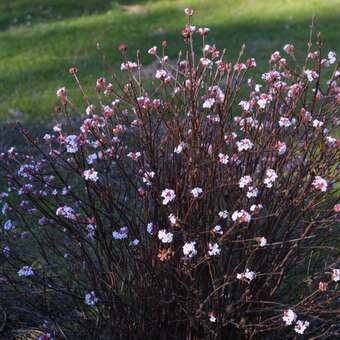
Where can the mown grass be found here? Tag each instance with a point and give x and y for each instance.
(41, 39)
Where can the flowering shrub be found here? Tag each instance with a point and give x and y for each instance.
(203, 206)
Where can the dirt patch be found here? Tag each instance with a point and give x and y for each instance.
(133, 9)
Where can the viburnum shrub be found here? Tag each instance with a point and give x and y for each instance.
(203, 205)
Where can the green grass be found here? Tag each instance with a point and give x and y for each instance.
(41, 39)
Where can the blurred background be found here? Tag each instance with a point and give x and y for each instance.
(41, 39)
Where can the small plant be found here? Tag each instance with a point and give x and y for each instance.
(202, 205)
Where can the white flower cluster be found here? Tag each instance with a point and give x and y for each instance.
(214, 249)
(252, 192)
(270, 178)
(168, 196)
(91, 299)
(66, 212)
(241, 216)
(90, 175)
(244, 181)
(26, 271)
(121, 234)
(189, 249)
(244, 145)
(180, 147)
(246, 276)
(164, 236)
(222, 158)
(290, 317)
(197, 192)
(71, 144)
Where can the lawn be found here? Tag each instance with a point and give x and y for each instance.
(41, 39)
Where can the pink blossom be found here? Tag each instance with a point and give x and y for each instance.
(208, 103)
(247, 123)
(251, 63)
(148, 176)
(331, 142)
(163, 60)
(262, 241)
(244, 181)
(71, 143)
(212, 317)
(283, 62)
(217, 230)
(323, 286)
(188, 11)
(311, 75)
(281, 148)
(129, 66)
(66, 212)
(61, 92)
(320, 183)
(121, 234)
(256, 208)
(223, 214)
(336, 275)
(153, 50)
(222, 158)
(306, 115)
(90, 159)
(313, 55)
(317, 124)
(247, 276)
(180, 147)
(90, 110)
(289, 317)
(264, 100)
(285, 122)
(100, 83)
(245, 105)
(217, 93)
(205, 62)
(134, 155)
(161, 74)
(244, 145)
(270, 178)
(271, 76)
(168, 196)
(301, 326)
(240, 67)
(288, 48)
(241, 216)
(331, 57)
(47, 138)
(172, 218)
(197, 192)
(275, 56)
(203, 30)
(252, 192)
(90, 175)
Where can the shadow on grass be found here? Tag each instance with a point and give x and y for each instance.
(23, 12)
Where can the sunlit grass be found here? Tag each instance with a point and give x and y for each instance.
(40, 40)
